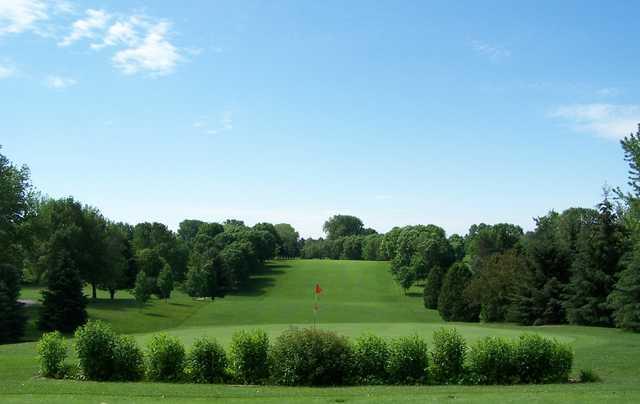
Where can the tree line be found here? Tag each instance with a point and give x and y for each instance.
(65, 245)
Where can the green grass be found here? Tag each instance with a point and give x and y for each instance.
(358, 297)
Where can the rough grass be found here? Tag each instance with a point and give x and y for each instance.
(358, 297)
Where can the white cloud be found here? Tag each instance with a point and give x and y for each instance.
(21, 15)
(155, 54)
(6, 71)
(493, 52)
(605, 120)
(89, 27)
(58, 82)
(227, 120)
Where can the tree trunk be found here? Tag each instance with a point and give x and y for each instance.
(112, 293)
(94, 293)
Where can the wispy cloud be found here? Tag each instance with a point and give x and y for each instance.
(491, 51)
(608, 92)
(224, 124)
(21, 15)
(610, 121)
(7, 71)
(59, 83)
(88, 27)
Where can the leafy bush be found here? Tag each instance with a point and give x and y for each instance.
(206, 362)
(541, 360)
(128, 359)
(447, 356)
(166, 358)
(371, 354)
(492, 361)
(588, 376)
(95, 345)
(408, 360)
(311, 357)
(249, 356)
(52, 351)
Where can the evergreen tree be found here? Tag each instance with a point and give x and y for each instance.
(63, 304)
(432, 287)
(594, 270)
(12, 318)
(625, 299)
(453, 302)
(164, 283)
(143, 288)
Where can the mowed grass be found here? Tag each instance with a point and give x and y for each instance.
(357, 297)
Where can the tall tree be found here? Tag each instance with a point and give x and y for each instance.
(342, 225)
(594, 269)
(289, 240)
(453, 303)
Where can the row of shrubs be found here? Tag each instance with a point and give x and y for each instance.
(308, 357)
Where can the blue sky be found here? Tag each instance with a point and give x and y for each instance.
(291, 111)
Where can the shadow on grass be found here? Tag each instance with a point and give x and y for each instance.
(261, 281)
(155, 315)
(413, 294)
(115, 304)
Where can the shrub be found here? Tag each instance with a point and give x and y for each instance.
(311, 357)
(447, 356)
(128, 359)
(249, 356)
(588, 376)
(52, 351)
(492, 361)
(166, 358)
(206, 362)
(541, 360)
(95, 345)
(408, 360)
(371, 354)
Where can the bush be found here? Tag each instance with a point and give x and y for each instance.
(541, 360)
(95, 345)
(588, 376)
(128, 359)
(206, 362)
(249, 356)
(492, 361)
(52, 352)
(311, 357)
(166, 358)
(371, 354)
(408, 360)
(447, 357)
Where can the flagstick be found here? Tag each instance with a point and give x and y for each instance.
(315, 310)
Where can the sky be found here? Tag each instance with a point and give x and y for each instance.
(398, 112)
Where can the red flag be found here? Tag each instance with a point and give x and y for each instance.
(318, 289)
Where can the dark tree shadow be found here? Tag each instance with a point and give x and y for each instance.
(258, 283)
(413, 294)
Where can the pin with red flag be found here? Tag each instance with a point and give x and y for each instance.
(317, 290)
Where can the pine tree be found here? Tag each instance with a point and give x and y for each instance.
(594, 270)
(432, 287)
(453, 303)
(64, 304)
(12, 318)
(625, 299)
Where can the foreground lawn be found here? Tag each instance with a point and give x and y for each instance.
(358, 297)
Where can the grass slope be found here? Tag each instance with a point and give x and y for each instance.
(358, 297)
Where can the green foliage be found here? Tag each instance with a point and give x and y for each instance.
(52, 352)
(164, 283)
(95, 344)
(594, 269)
(311, 357)
(453, 303)
(63, 302)
(625, 298)
(432, 287)
(165, 359)
(342, 225)
(249, 356)
(588, 376)
(206, 362)
(289, 240)
(492, 360)
(12, 317)
(128, 359)
(448, 354)
(371, 354)
(408, 360)
(541, 360)
(143, 288)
